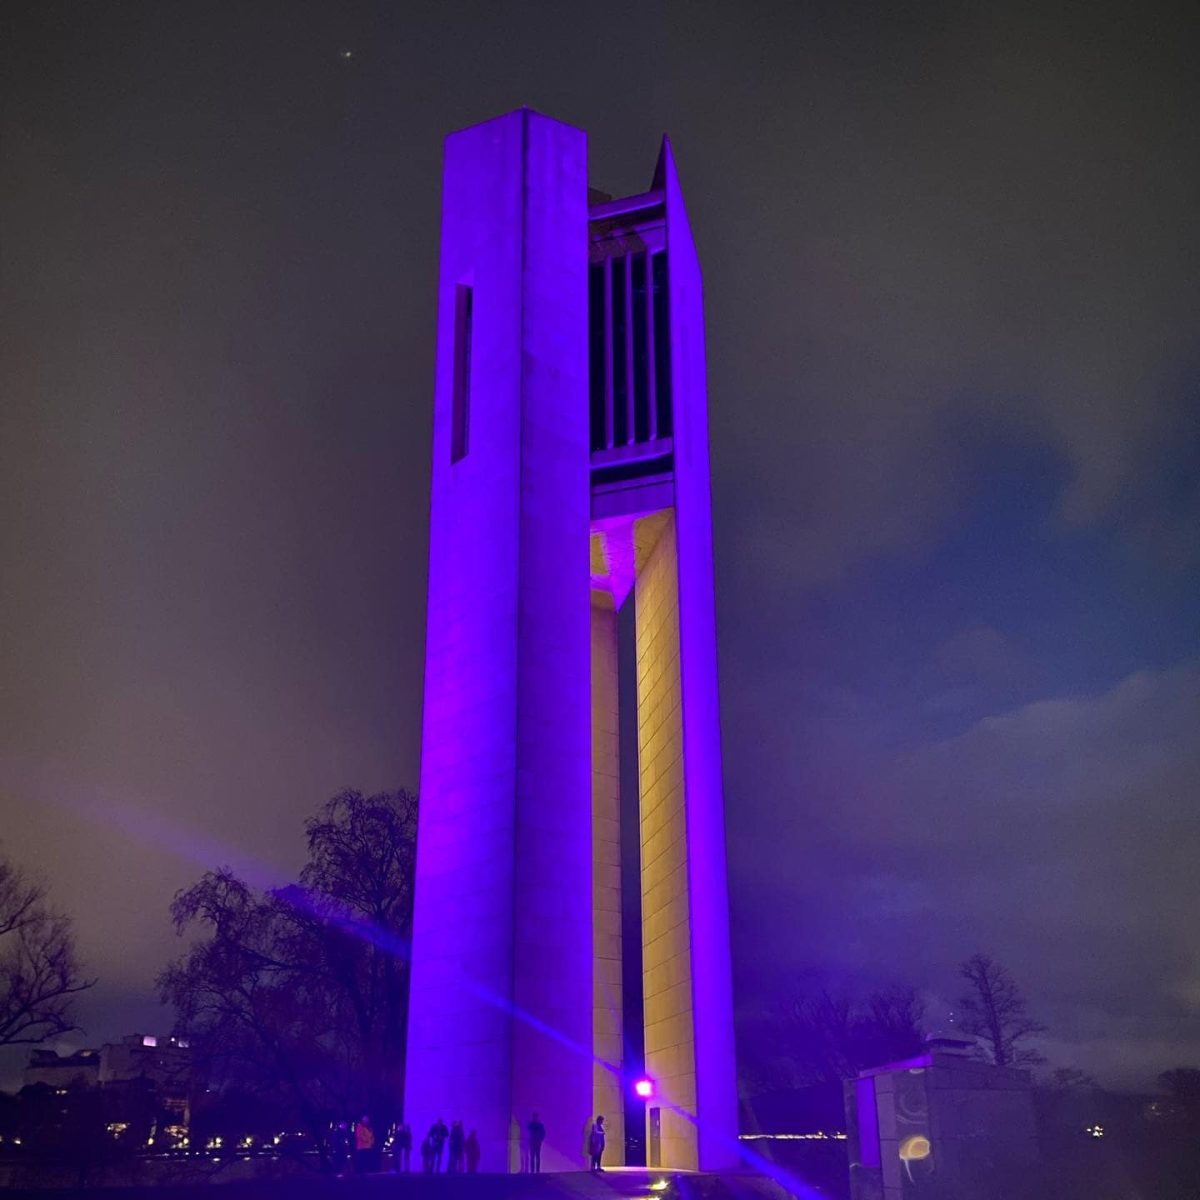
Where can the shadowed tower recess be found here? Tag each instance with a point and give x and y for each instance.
(570, 477)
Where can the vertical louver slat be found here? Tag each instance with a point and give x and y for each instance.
(620, 354)
(630, 373)
(609, 382)
(641, 383)
(662, 345)
(651, 384)
(597, 365)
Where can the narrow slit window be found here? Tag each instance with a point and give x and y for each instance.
(461, 431)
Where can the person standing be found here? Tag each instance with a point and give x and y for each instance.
(402, 1151)
(438, 1134)
(596, 1144)
(471, 1147)
(456, 1147)
(339, 1147)
(364, 1143)
(537, 1135)
(427, 1154)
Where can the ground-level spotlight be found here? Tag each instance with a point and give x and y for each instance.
(643, 1088)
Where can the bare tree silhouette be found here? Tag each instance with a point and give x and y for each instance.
(39, 973)
(995, 1010)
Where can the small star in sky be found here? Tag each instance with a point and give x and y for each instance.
(344, 54)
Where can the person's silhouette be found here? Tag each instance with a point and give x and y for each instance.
(596, 1144)
(438, 1134)
(537, 1135)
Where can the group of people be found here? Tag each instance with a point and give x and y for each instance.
(536, 1132)
(460, 1149)
(449, 1144)
(353, 1143)
(443, 1143)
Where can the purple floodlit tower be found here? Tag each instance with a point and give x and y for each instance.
(570, 473)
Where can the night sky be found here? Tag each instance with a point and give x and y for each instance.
(952, 258)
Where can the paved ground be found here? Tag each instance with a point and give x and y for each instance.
(624, 1184)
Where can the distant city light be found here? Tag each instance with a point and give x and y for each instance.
(792, 1137)
(1097, 1131)
(644, 1088)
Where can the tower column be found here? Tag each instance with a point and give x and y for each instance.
(666, 924)
(608, 1095)
(570, 465)
(500, 1021)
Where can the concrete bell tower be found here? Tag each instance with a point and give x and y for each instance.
(570, 477)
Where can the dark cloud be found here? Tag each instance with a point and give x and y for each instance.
(1059, 836)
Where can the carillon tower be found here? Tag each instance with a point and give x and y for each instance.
(570, 477)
